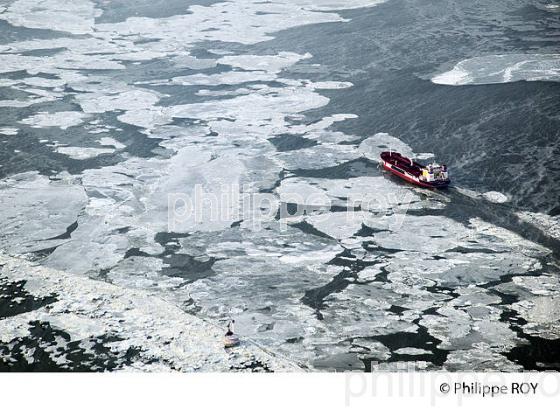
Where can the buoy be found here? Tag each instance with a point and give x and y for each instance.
(230, 339)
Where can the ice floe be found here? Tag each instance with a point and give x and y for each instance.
(76, 16)
(496, 197)
(9, 131)
(34, 96)
(457, 331)
(106, 100)
(481, 359)
(555, 8)
(226, 78)
(268, 63)
(503, 68)
(412, 351)
(372, 147)
(61, 119)
(337, 4)
(540, 314)
(83, 152)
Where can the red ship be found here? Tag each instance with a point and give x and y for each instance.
(427, 176)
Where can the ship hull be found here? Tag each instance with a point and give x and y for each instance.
(413, 179)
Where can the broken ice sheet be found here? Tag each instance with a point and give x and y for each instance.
(260, 279)
(475, 296)
(138, 272)
(136, 329)
(135, 195)
(541, 315)
(481, 358)
(459, 269)
(371, 349)
(35, 210)
(457, 330)
(363, 311)
(537, 303)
